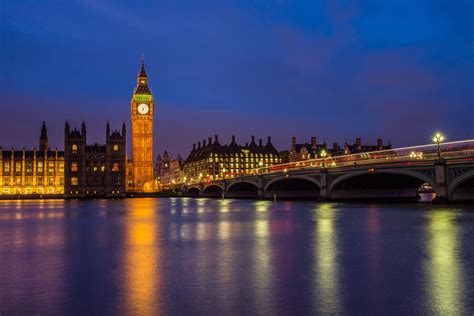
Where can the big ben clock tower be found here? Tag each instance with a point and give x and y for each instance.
(142, 110)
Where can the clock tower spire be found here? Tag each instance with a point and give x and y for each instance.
(142, 112)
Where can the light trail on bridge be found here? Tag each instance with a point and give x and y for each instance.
(419, 154)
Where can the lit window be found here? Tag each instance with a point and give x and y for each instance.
(6, 167)
(51, 167)
(29, 167)
(40, 181)
(115, 167)
(116, 147)
(102, 168)
(94, 168)
(74, 148)
(74, 181)
(18, 167)
(73, 166)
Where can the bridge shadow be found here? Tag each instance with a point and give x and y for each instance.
(463, 190)
(243, 190)
(212, 191)
(376, 186)
(292, 189)
(193, 192)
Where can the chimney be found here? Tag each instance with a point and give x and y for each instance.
(260, 142)
(209, 141)
(358, 143)
(199, 145)
(253, 140)
(335, 147)
(216, 139)
(204, 142)
(313, 142)
(379, 143)
(293, 141)
(269, 141)
(194, 146)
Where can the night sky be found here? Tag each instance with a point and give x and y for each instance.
(398, 70)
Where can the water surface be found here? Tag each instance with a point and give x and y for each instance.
(204, 256)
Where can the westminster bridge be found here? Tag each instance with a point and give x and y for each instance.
(445, 169)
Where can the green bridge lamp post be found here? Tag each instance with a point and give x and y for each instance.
(438, 139)
(323, 155)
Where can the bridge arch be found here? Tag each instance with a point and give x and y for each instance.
(193, 192)
(242, 189)
(379, 184)
(212, 191)
(462, 188)
(293, 187)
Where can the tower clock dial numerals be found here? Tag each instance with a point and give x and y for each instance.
(143, 108)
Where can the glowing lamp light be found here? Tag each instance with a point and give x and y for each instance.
(438, 139)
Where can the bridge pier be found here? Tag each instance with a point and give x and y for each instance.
(261, 188)
(441, 177)
(323, 192)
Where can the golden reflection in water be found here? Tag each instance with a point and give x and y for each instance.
(262, 255)
(445, 273)
(327, 269)
(223, 230)
(224, 206)
(141, 272)
(262, 206)
(201, 203)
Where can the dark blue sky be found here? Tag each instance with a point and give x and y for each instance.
(399, 70)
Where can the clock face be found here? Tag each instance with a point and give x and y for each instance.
(143, 108)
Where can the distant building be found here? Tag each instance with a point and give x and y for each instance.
(212, 160)
(312, 150)
(169, 171)
(32, 172)
(94, 170)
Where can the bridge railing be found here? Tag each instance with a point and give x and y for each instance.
(412, 155)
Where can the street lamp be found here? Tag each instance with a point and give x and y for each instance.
(438, 139)
(323, 155)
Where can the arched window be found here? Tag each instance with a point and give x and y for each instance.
(116, 147)
(74, 148)
(74, 181)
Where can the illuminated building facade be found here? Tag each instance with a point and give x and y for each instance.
(142, 111)
(211, 160)
(169, 171)
(32, 172)
(312, 150)
(94, 170)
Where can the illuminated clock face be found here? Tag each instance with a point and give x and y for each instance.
(143, 108)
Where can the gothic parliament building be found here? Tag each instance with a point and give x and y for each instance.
(85, 170)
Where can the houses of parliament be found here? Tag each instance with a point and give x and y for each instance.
(84, 170)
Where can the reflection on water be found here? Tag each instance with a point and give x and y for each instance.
(141, 259)
(327, 267)
(444, 270)
(214, 256)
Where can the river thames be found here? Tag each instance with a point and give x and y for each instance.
(204, 256)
